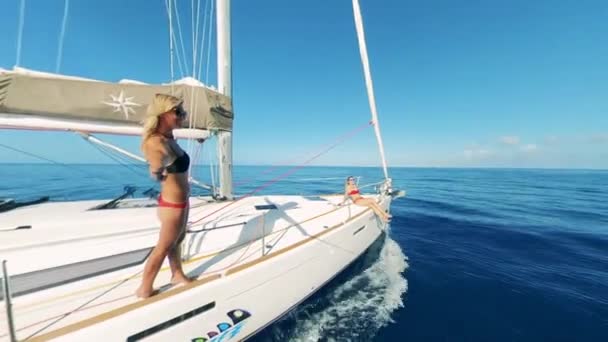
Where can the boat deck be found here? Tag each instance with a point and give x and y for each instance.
(65, 239)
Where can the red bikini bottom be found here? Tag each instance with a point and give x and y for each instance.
(165, 204)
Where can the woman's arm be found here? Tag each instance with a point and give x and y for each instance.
(156, 153)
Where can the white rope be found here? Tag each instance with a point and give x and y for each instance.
(371, 184)
(169, 13)
(179, 58)
(195, 30)
(192, 35)
(198, 156)
(202, 43)
(64, 23)
(203, 49)
(368, 81)
(181, 39)
(209, 41)
(173, 41)
(194, 94)
(211, 168)
(20, 31)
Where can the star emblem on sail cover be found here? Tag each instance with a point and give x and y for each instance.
(123, 104)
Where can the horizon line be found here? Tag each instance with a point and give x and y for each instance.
(344, 166)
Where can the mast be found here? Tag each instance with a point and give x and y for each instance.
(224, 81)
(368, 81)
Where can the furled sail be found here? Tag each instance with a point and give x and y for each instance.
(53, 96)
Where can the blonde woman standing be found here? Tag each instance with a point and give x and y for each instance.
(351, 190)
(169, 166)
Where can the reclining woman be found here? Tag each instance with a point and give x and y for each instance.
(350, 189)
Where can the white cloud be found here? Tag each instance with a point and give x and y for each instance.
(599, 138)
(529, 148)
(551, 140)
(476, 153)
(510, 140)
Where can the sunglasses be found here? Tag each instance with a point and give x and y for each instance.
(180, 112)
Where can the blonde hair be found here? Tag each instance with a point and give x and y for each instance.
(161, 103)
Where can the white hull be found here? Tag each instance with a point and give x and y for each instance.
(261, 263)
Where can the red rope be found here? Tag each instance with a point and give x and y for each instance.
(341, 139)
(287, 163)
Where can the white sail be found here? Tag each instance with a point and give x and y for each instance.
(368, 82)
(28, 93)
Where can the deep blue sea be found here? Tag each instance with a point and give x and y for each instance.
(472, 254)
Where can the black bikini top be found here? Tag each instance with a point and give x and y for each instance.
(180, 164)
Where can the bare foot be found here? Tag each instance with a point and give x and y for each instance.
(145, 293)
(180, 279)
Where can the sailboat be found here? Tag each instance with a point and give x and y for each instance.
(254, 257)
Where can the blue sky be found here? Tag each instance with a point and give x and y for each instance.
(458, 83)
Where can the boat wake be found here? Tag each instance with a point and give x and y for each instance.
(357, 307)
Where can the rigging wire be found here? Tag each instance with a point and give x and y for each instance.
(181, 39)
(118, 158)
(211, 16)
(193, 95)
(173, 41)
(286, 163)
(195, 30)
(196, 155)
(290, 171)
(68, 166)
(169, 13)
(212, 170)
(205, 40)
(64, 23)
(85, 304)
(20, 31)
(196, 75)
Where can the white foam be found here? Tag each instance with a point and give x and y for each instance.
(360, 306)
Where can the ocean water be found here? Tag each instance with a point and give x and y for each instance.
(472, 254)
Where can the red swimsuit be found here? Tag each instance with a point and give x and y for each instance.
(163, 203)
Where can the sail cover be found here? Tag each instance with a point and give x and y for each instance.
(27, 92)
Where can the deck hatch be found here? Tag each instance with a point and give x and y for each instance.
(265, 206)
